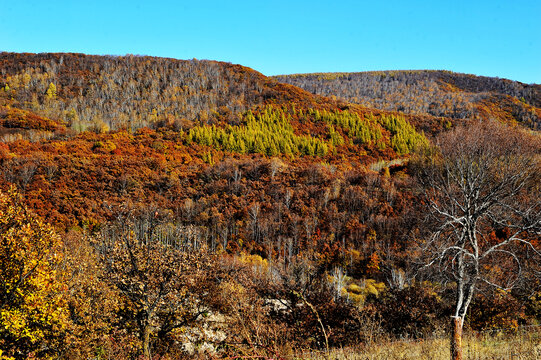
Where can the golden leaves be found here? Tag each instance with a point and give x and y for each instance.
(32, 309)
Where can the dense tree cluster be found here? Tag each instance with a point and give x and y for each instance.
(403, 136)
(269, 133)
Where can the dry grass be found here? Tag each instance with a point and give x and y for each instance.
(520, 346)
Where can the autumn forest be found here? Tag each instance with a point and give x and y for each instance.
(155, 208)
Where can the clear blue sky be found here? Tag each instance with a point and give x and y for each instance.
(485, 37)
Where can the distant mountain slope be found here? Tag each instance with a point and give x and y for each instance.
(115, 92)
(437, 93)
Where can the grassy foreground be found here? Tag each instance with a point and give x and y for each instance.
(523, 346)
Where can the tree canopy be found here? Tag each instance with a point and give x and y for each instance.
(32, 312)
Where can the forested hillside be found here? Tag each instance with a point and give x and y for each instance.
(129, 92)
(438, 93)
(161, 208)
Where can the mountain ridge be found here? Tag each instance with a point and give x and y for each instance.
(432, 92)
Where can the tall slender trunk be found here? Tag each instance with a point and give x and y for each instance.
(456, 337)
(146, 342)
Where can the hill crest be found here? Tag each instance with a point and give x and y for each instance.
(430, 92)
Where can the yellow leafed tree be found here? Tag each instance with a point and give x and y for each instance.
(51, 91)
(32, 312)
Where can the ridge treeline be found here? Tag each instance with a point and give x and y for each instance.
(437, 93)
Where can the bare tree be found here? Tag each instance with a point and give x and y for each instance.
(161, 287)
(482, 191)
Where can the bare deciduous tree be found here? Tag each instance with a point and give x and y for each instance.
(482, 191)
(161, 287)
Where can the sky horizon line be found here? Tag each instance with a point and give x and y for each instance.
(493, 38)
(271, 75)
